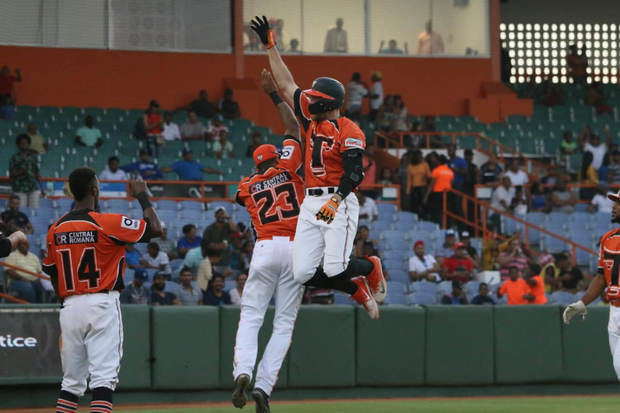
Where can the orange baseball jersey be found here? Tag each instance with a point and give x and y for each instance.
(609, 264)
(273, 197)
(325, 141)
(86, 253)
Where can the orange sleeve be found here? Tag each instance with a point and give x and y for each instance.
(242, 192)
(503, 289)
(48, 260)
(122, 228)
(291, 158)
(352, 137)
(601, 255)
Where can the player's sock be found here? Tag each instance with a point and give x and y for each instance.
(67, 402)
(102, 400)
(341, 282)
(359, 266)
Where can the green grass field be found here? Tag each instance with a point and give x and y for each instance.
(559, 404)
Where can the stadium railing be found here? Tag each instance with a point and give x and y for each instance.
(13, 267)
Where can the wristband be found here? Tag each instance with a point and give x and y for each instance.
(275, 98)
(144, 201)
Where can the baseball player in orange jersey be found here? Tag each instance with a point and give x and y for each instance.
(607, 277)
(86, 262)
(327, 224)
(272, 197)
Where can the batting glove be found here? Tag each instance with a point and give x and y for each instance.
(573, 309)
(328, 211)
(264, 32)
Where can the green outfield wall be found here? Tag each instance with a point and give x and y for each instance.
(190, 348)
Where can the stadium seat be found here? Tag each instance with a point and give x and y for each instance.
(421, 298)
(562, 298)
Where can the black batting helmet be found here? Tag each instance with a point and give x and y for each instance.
(331, 94)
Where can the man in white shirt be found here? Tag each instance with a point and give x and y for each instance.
(354, 95)
(156, 259)
(423, 266)
(368, 208)
(503, 195)
(336, 39)
(600, 202)
(171, 130)
(516, 175)
(235, 293)
(376, 95)
(222, 147)
(112, 172)
(598, 150)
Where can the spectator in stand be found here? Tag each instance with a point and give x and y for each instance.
(472, 253)
(23, 285)
(245, 257)
(158, 295)
(166, 245)
(516, 175)
(513, 257)
(441, 181)
(418, 178)
(14, 219)
(215, 294)
(392, 48)
(376, 95)
(501, 199)
(600, 202)
(490, 171)
(237, 292)
(472, 178)
(294, 46)
(336, 39)
(595, 96)
(457, 297)
(89, 135)
(562, 198)
(112, 172)
(587, 176)
(490, 252)
(483, 297)
(536, 285)
(400, 116)
(590, 142)
(568, 275)
(515, 287)
(188, 169)
(132, 257)
(577, 65)
(613, 169)
(156, 259)
(189, 240)
(459, 266)
(217, 235)
(361, 238)
(38, 143)
(148, 170)
(24, 174)
(153, 126)
(192, 260)
(223, 149)
(189, 294)
(193, 129)
(387, 177)
(7, 109)
(255, 144)
(423, 266)
(7, 82)
(429, 41)
(458, 165)
(228, 107)
(171, 130)
(568, 145)
(368, 207)
(386, 114)
(356, 91)
(205, 270)
(136, 292)
(202, 106)
(216, 127)
(447, 248)
(539, 199)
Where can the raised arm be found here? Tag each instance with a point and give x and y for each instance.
(282, 75)
(285, 111)
(139, 190)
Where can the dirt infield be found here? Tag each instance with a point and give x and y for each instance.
(163, 406)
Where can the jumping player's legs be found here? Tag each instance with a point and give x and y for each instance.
(309, 244)
(340, 236)
(258, 290)
(73, 353)
(613, 329)
(289, 294)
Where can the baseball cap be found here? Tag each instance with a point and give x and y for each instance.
(459, 245)
(465, 234)
(186, 151)
(265, 153)
(450, 233)
(614, 197)
(218, 209)
(418, 242)
(140, 274)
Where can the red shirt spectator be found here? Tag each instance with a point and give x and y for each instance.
(459, 266)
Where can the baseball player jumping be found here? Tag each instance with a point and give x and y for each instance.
(86, 262)
(333, 150)
(608, 276)
(272, 197)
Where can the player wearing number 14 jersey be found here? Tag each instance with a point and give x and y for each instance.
(608, 277)
(86, 262)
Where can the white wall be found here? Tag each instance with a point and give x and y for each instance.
(462, 27)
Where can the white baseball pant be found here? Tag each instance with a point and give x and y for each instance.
(92, 341)
(317, 240)
(271, 274)
(613, 328)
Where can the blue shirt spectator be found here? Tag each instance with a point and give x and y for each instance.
(483, 297)
(132, 257)
(188, 169)
(192, 260)
(459, 166)
(215, 294)
(147, 169)
(158, 295)
(189, 240)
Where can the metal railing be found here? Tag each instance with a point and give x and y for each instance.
(13, 267)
